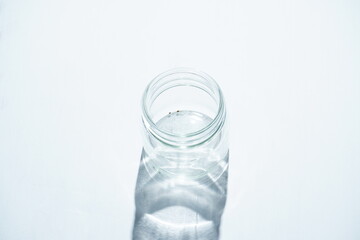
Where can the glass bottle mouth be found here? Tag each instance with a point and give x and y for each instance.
(184, 77)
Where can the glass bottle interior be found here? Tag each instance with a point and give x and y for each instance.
(182, 103)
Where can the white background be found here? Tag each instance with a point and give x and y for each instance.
(71, 77)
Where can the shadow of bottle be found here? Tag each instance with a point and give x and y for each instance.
(168, 208)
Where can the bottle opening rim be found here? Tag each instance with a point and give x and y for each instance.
(207, 84)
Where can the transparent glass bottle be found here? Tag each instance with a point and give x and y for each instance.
(184, 127)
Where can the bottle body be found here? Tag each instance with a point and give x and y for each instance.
(185, 127)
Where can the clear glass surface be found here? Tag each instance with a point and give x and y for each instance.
(181, 188)
(184, 127)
